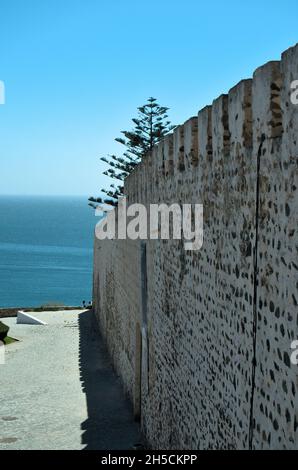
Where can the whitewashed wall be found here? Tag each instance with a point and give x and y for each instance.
(221, 320)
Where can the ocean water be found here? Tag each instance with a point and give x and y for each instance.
(45, 250)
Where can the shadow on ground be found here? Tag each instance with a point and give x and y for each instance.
(110, 424)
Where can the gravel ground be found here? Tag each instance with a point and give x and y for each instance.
(58, 390)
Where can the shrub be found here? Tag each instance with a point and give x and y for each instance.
(3, 331)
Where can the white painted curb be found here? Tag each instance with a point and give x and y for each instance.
(26, 319)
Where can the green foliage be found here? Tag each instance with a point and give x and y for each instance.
(150, 126)
(3, 331)
(8, 340)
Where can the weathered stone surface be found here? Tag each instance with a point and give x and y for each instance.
(276, 316)
(219, 322)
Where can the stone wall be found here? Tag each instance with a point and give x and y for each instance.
(201, 339)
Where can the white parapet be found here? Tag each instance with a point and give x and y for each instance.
(26, 319)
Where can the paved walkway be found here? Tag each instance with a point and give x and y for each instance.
(58, 390)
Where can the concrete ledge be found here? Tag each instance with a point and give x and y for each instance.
(26, 319)
(13, 311)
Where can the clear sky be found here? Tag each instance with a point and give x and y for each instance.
(76, 70)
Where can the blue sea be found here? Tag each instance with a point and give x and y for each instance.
(45, 250)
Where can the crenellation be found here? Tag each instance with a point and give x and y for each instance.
(168, 148)
(178, 144)
(220, 125)
(240, 114)
(205, 145)
(267, 116)
(191, 156)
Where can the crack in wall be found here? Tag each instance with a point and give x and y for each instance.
(255, 293)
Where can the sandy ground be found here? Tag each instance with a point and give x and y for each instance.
(58, 390)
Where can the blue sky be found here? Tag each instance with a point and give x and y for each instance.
(76, 70)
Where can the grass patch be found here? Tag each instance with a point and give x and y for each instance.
(3, 331)
(8, 340)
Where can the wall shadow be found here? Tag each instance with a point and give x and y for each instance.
(110, 424)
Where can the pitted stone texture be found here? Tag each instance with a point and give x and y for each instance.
(220, 320)
(276, 396)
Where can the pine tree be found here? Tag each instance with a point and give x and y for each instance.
(150, 126)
